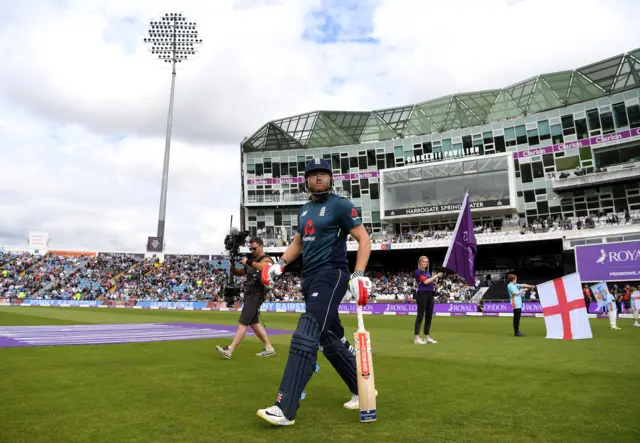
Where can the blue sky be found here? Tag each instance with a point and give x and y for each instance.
(341, 21)
(124, 32)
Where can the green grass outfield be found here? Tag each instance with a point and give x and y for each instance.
(478, 384)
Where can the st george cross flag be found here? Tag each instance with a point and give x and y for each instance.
(565, 313)
(462, 251)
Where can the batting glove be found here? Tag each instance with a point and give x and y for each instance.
(271, 272)
(360, 287)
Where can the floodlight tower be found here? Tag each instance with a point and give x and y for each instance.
(173, 39)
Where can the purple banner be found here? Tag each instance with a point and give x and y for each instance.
(579, 143)
(497, 307)
(406, 308)
(491, 307)
(375, 308)
(287, 180)
(609, 261)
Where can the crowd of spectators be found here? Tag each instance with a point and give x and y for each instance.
(396, 286)
(26, 274)
(108, 277)
(176, 279)
(132, 277)
(592, 221)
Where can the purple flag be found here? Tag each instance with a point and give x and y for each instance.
(462, 251)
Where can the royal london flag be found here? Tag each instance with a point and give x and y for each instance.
(460, 257)
(565, 314)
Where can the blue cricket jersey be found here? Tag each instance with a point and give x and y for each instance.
(324, 226)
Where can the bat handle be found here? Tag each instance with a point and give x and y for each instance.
(360, 318)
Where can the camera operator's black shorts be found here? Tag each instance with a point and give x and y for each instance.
(251, 309)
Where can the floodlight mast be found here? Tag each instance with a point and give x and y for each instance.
(173, 39)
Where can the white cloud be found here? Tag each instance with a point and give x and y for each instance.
(83, 104)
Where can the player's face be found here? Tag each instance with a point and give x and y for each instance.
(424, 262)
(318, 181)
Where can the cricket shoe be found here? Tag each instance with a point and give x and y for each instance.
(225, 352)
(430, 340)
(354, 403)
(419, 341)
(266, 352)
(615, 328)
(636, 324)
(275, 416)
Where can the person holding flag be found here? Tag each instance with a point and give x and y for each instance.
(516, 290)
(425, 300)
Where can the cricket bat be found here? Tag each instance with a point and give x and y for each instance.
(364, 363)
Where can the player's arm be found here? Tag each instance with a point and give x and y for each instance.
(359, 285)
(270, 271)
(527, 287)
(359, 233)
(294, 250)
(350, 221)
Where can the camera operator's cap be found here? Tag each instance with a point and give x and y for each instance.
(317, 164)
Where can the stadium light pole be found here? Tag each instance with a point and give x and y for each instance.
(173, 39)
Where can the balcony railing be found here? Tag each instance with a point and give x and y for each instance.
(277, 198)
(624, 172)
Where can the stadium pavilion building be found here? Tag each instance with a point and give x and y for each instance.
(559, 144)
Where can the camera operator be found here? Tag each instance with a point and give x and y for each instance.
(254, 296)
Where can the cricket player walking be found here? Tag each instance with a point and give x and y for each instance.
(324, 223)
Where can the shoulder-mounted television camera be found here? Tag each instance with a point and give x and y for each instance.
(232, 243)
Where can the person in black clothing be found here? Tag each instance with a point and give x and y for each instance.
(425, 300)
(254, 296)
